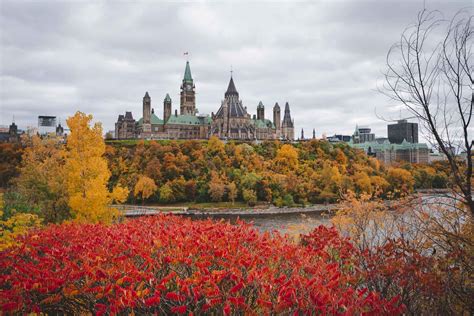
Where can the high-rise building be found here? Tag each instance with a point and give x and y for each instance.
(362, 134)
(46, 124)
(403, 130)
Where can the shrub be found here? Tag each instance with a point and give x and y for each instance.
(169, 264)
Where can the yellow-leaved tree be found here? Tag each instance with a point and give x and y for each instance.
(88, 173)
(145, 187)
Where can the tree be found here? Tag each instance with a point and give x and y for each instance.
(401, 181)
(87, 172)
(286, 158)
(249, 196)
(433, 79)
(216, 187)
(166, 193)
(232, 192)
(145, 187)
(42, 182)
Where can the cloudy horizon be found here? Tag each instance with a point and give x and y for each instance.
(325, 58)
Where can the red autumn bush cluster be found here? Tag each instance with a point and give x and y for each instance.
(169, 264)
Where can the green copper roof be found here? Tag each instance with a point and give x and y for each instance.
(386, 145)
(153, 118)
(189, 120)
(187, 74)
(263, 123)
(167, 98)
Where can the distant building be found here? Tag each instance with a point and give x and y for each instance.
(59, 130)
(46, 125)
(390, 153)
(125, 126)
(362, 134)
(231, 121)
(10, 134)
(403, 130)
(337, 138)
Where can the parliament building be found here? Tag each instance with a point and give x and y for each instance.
(231, 121)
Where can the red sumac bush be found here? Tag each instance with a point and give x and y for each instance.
(168, 264)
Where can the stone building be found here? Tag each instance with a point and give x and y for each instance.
(390, 153)
(10, 134)
(125, 127)
(230, 122)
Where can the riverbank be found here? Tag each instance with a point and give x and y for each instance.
(240, 209)
(137, 210)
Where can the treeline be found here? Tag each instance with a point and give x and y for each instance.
(283, 174)
(213, 171)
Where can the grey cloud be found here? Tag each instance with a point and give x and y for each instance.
(324, 58)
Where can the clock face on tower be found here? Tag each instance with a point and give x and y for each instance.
(188, 86)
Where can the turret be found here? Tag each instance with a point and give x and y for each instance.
(287, 126)
(146, 108)
(260, 111)
(166, 108)
(277, 117)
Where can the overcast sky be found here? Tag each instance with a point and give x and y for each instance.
(100, 57)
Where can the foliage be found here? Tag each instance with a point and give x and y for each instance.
(419, 250)
(286, 174)
(10, 157)
(15, 226)
(41, 184)
(87, 172)
(145, 187)
(173, 265)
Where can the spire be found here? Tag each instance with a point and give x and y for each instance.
(287, 121)
(147, 96)
(260, 105)
(187, 74)
(231, 88)
(314, 133)
(167, 98)
(276, 107)
(302, 134)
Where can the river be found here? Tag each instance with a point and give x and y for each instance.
(291, 223)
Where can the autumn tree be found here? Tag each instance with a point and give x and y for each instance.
(88, 174)
(42, 183)
(286, 158)
(216, 187)
(232, 192)
(145, 188)
(432, 76)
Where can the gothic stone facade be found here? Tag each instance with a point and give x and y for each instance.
(230, 122)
